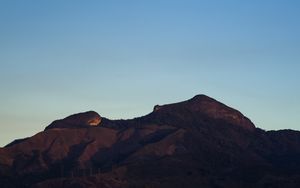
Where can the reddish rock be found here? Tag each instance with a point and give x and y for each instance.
(80, 120)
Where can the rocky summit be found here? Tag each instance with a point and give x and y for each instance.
(196, 143)
(85, 119)
(202, 107)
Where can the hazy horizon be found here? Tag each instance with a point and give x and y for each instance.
(121, 58)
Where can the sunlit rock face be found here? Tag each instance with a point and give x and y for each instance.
(80, 120)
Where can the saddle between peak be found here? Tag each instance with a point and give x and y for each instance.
(199, 110)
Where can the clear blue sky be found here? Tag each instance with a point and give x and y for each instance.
(120, 58)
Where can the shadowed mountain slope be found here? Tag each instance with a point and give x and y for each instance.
(195, 143)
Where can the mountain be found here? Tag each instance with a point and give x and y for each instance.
(195, 143)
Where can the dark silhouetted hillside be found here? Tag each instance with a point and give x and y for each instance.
(196, 143)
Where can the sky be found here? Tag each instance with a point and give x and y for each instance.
(120, 58)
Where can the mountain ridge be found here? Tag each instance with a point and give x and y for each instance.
(197, 142)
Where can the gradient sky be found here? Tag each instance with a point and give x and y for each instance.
(120, 58)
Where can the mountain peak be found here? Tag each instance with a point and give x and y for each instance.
(201, 96)
(203, 106)
(80, 120)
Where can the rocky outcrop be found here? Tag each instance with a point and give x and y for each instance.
(200, 109)
(80, 120)
(156, 108)
(217, 110)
